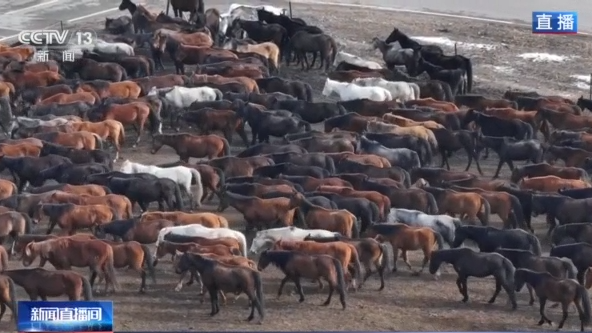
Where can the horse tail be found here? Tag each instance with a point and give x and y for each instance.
(469, 70)
(13, 300)
(110, 269)
(258, 290)
(432, 204)
(150, 62)
(86, 289)
(486, 210)
(308, 89)
(357, 263)
(98, 141)
(226, 149)
(121, 134)
(107, 190)
(154, 121)
(439, 239)
(178, 197)
(334, 51)
(222, 177)
(570, 268)
(123, 74)
(149, 262)
(222, 221)
(15, 188)
(198, 184)
(586, 314)
(406, 179)
(385, 257)
(28, 224)
(447, 92)
(219, 94)
(534, 243)
(375, 212)
(340, 280)
(509, 270)
(330, 166)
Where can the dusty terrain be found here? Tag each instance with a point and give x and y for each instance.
(407, 303)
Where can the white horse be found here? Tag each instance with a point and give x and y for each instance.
(245, 12)
(198, 230)
(265, 238)
(349, 91)
(113, 48)
(182, 97)
(444, 224)
(401, 91)
(355, 60)
(179, 174)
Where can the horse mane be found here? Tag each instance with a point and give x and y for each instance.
(279, 258)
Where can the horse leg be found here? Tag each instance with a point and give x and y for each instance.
(544, 319)
(282, 284)
(93, 277)
(499, 167)
(299, 288)
(530, 292)
(213, 300)
(332, 285)
(565, 310)
(406, 261)
(395, 257)
(139, 132)
(498, 288)
(461, 283)
(581, 314)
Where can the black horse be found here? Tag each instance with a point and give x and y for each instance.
(452, 141)
(394, 141)
(509, 150)
(26, 169)
(298, 89)
(73, 174)
(572, 233)
(557, 267)
(312, 112)
(320, 160)
(143, 192)
(78, 156)
(454, 77)
(579, 253)
(116, 228)
(488, 239)
(467, 262)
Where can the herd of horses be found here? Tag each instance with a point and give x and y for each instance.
(332, 205)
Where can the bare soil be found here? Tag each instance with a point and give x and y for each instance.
(407, 303)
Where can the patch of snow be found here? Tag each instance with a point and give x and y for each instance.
(543, 57)
(504, 69)
(449, 42)
(582, 81)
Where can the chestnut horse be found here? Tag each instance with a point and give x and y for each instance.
(7, 188)
(551, 184)
(134, 113)
(70, 217)
(131, 255)
(19, 150)
(8, 297)
(209, 220)
(42, 283)
(62, 98)
(109, 129)
(120, 204)
(78, 140)
(68, 252)
(188, 145)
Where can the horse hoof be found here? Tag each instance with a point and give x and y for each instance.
(415, 274)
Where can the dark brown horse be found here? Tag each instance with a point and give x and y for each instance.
(67, 252)
(297, 265)
(132, 255)
(8, 297)
(188, 145)
(218, 277)
(549, 288)
(41, 283)
(191, 6)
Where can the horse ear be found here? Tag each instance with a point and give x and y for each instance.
(178, 253)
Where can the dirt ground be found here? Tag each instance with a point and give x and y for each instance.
(407, 303)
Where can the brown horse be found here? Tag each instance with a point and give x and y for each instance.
(19, 150)
(249, 84)
(193, 55)
(316, 217)
(432, 103)
(19, 54)
(415, 131)
(22, 80)
(161, 81)
(166, 247)
(111, 130)
(67, 252)
(571, 157)
(467, 204)
(372, 253)
(310, 184)
(219, 277)
(208, 120)
(3, 259)
(120, 204)
(122, 89)
(23, 240)
(232, 243)
(299, 265)
(188, 145)
(268, 50)
(545, 169)
(70, 217)
(239, 166)
(41, 283)
(259, 212)
(50, 65)
(78, 140)
(407, 238)
(132, 230)
(194, 39)
(134, 113)
(563, 121)
(505, 205)
(551, 184)
(8, 297)
(32, 141)
(405, 122)
(131, 255)
(14, 224)
(346, 254)
(62, 98)
(88, 189)
(6, 89)
(549, 288)
(7, 188)
(209, 220)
